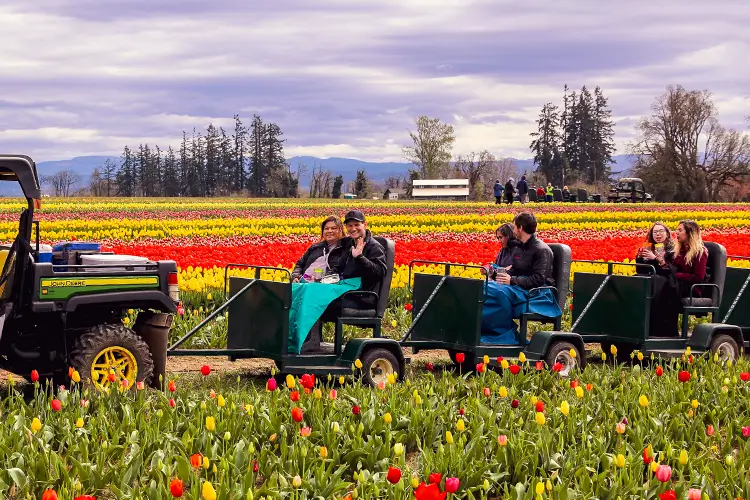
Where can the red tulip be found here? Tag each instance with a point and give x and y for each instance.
(394, 475)
(573, 384)
(647, 458)
(297, 414)
(539, 366)
(49, 494)
(746, 431)
(461, 411)
(255, 467)
(480, 367)
(659, 371)
(668, 495)
(744, 376)
(514, 403)
(356, 410)
(206, 370)
(85, 497)
(34, 376)
(172, 386)
(539, 406)
(175, 487)
(196, 460)
(435, 478)
(294, 396)
(408, 306)
(431, 492)
(557, 367)
(430, 367)
(514, 369)
(460, 357)
(451, 484)
(111, 377)
(710, 430)
(56, 405)
(487, 392)
(683, 376)
(172, 402)
(307, 381)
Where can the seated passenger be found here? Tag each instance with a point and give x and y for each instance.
(362, 257)
(659, 253)
(691, 257)
(509, 295)
(323, 254)
(507, 238)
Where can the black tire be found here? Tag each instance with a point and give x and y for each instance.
(560, 352)
(725, 346)
(92, 342)
(377, 364)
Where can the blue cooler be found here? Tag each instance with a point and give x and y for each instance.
(69, 252)
(45, 253)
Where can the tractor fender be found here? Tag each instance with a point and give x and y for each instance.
(153, 299)
(540, 342)
(704, 333)
(356, 348)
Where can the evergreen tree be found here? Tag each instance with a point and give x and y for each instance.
(239, 174)
(278, 170)
(258, 173)
(171, 175)
(546, 144)
(603, 146)
(126, 176)
(361, 188)
(338, 183)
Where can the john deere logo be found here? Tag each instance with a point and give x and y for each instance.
(58, 283)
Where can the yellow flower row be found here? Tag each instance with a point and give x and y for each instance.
(200, 280)
(128, 229)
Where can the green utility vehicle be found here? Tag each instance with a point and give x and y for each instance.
(629, 190)
(447, 315)
(615, 310)
(258, 317)
(57, 316)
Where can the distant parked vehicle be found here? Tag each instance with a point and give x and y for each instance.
(629, 190)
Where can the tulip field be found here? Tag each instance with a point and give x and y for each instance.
(655, 429)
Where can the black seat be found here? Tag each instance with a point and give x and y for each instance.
(557, 194)
(532, 195)
(370, 318)
(561, 259)
(716, 273)
(583, 195)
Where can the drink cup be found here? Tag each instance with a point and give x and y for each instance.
(318, 273)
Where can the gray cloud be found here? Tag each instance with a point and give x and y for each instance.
(348, 78)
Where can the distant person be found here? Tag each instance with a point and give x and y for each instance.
(548, 193)
(540, 193)
(497, 191)
(509, 191)
(566, 193)
(523, 189)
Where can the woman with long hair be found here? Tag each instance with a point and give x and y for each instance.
(317, 260)
(691, 257)
(659, 251)
(508, 242)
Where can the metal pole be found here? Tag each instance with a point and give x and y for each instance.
(424, 307)
(736, 299)
(585, 309)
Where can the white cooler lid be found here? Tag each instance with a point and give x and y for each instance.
(94, 259)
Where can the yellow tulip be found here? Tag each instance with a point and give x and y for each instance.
(448, 437)
(387, 418)
(643, 401)
(573, 353)
(398, 449)
(207, 491)
(486, 359)
(460, 426)
(694, 403)
(579, 392)
(539, 488)
(323, 452)
(220, 401)
(522, 358)
(210, 424)
(75, 376)
(539, 418)
(620, 460)
(206, 462)
(79, 422)
(564, 408)
(358, 364)
(683, 457)
(503, 392)
(604, 356)
(290, 382)
(36, 425)
(613, 350)
(504, 364)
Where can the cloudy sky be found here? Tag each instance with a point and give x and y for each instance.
(348, 77)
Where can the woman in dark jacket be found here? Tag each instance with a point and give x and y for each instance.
(509, 191)
(658, 251)
(508, 240)
(691, 258)
(324, 254)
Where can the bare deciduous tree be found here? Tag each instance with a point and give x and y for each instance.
(474, 167)
(683, 153)
(321, 182)
(431, 149)
(62, 182)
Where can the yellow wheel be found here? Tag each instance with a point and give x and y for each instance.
(106, 355)
(113, 365)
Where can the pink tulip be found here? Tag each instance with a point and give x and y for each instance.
(664, 473)
(746, 431)
(271, 384)
(694, 494)
(451, 484)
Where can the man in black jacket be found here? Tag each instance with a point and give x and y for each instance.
(532, 260)
(362, 257)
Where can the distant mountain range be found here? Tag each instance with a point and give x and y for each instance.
(377, 171)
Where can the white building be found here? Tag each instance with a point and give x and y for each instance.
(440, 189)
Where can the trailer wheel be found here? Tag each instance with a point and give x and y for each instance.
(109, 349)
(725, 346)
(377, 364)
(559, 352)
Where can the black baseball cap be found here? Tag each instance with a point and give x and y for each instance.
(354, 215)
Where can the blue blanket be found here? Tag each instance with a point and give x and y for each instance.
(504, 303)
(309, 301)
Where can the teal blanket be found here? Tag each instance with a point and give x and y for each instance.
(309, 301)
